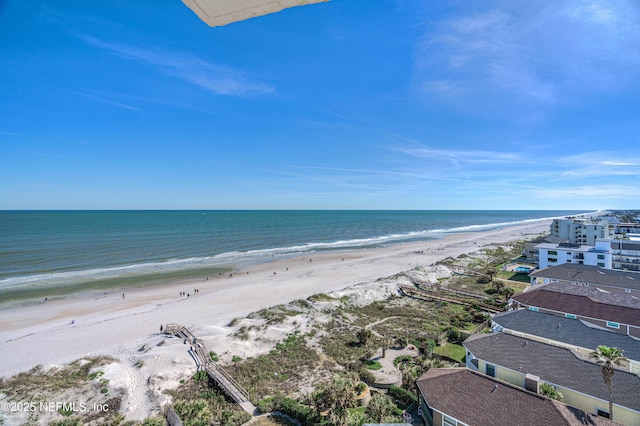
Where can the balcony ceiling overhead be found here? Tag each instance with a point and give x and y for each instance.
(222, 12)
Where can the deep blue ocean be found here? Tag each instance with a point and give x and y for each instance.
(48, 251)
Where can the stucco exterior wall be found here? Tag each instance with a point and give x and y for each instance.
(592, 405)
(584, 402)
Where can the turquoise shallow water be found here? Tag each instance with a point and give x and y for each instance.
(42, 251)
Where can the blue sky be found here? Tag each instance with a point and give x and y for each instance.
(502, 104)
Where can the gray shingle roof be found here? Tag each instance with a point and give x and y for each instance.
(578, 305)
(591, 274)
(556, 365)
(595, 294)
(480, 400)
(570, 331)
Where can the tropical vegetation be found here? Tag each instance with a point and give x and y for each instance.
(608, 358)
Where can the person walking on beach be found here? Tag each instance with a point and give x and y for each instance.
(123, 295)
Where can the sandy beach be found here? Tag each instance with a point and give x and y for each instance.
(128, 328)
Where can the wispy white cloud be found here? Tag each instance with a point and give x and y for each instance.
(620, 163)
(370, 172)
(598, 163)
(463, 156)
(593, 192)
(218, 79)
(108, 101)
(6, 133)
(535, 53)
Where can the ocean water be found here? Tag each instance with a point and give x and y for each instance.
(55, 252)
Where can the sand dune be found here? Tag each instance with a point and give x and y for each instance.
(110, 325)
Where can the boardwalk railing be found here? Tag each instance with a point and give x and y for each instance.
(201, 356)
(417, 293)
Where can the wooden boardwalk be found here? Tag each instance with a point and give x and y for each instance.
(464, 270)
(200, 355)
(417, 293)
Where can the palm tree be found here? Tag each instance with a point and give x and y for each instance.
(507, 292)
(608, 357)
(490, 271)
(363, 335)
(386, 344)
(498, 285)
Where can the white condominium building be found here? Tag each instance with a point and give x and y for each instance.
(559, 254)
(621, 255)
(582, 231)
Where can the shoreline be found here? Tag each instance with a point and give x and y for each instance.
(125, 275)
(112, 325)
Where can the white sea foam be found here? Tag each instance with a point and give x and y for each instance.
(232, 258)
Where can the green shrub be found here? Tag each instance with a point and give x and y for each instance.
(200, 376)
(382, 409)
(551, 391)
(373, 365)
(291, 407)
(214, 356)
(453, 334)
(402, 396)
(233, 418)
(65, 413)
(429, 346)
(402, 359)
(193, 412)
(266, 405)
(154, 421)
(236, 358)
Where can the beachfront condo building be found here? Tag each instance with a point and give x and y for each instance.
(582, 231)
(622, 255)
(559, 254)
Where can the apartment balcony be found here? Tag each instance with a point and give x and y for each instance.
(626, 260)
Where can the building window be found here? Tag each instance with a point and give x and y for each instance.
(570, 316)
(603, 413)
(613, 324)
(601, 257)
(491, 370)
(533, 308)
(553, 260)
(553, 253)
(448, 421)
(601, 264)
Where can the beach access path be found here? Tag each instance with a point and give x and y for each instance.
(109, 324)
